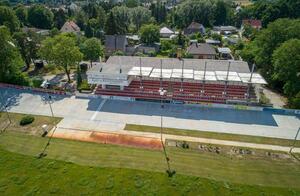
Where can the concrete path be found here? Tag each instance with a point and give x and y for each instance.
(97, 114)
(277, 100)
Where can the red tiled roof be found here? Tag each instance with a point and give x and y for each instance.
(253, 23)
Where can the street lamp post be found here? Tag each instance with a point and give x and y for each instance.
(295, 139)
(162, 92)
(42, 154)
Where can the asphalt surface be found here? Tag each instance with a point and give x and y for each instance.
(99, 114)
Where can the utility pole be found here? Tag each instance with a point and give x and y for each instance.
(42, 154)
(295, 140)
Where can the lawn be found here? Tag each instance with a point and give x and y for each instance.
(34, 128)
(26, 175)
(90, 168)
(206, 134)
(246, 170)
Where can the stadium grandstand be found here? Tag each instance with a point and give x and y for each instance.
(175, 80)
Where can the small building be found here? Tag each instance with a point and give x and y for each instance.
(225, 53)
(147, 49)
(213, 42)
(201, 51)
(225, 30)
(70, 27)
(256, 24)
(194, 27)
(42, 32)
(165, 32)
(115, 43)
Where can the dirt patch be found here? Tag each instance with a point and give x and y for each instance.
(111, 138)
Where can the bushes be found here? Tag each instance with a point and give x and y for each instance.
(26, 120)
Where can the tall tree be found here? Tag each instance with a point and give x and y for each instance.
(111, 26)
(220, 13)
(22, 14)
(260, 50)
(92, 49)
(62, 51)
(59, 18)
(9, 19)
(40, 17)
(10, 60)
(286, 61)
(140, 16)
(27, 44)
(149, 34)
(122, 19)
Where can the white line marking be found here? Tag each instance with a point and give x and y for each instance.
(98, 109)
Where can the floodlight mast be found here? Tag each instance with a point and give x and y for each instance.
(141, 82)
(226, 80)
(182, 68)
(250, 82)
(203, 80)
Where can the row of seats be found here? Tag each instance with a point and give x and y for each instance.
(194, 92)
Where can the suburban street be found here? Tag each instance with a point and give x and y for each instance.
(97, 114)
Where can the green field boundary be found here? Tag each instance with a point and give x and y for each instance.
(247, 170)
(213, 135)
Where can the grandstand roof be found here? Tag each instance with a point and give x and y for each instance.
(216, 70)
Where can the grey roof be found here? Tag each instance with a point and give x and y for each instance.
(224, 28)
(201, 48)
(125, 63)
(115, 42)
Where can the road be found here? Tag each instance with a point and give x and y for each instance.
(98, 114)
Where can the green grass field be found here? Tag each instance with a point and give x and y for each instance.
(206, 134)
(78, 168)
(26, 175)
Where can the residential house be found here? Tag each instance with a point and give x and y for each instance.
(256, 24)
(194, 27)
(70, 27)
(115, 43)
(225, 30)
(165, 32)
(201, 51)
(224, 53)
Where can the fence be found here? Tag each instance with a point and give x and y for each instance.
(57, 92)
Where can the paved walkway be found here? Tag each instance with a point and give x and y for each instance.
(98, 114)
(277, 100)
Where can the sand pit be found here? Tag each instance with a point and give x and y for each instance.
(110, 138)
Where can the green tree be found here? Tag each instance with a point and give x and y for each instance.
(40, 17)
(201, 11)
(22, 14)
(59, 18)
(122, 19)
(131, 3)
(111, 25)
(149, 34)
(140, 16)
(220, 13)
(27, 44)
(92, 49)
(9, 18)
(286, 62)
(260, 50)
(62, 51)
(10, 60)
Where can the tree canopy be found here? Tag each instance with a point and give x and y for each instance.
(149, 34)
(40, 17)
(286, 62)
(9, 18)
(62, 51)
(92, 49)
(10, 60)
